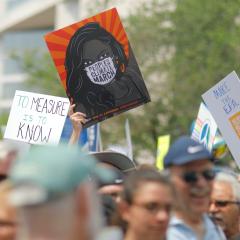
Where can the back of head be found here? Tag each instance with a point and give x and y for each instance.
(232, 180)
(54, 183)
(53, 170)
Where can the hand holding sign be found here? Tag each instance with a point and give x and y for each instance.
(77, 120)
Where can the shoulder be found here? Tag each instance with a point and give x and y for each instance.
(177, 229)
(213, 231)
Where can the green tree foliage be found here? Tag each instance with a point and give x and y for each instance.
(3, 122)
(41, 73)
(206, 39)
(189, 49)
(149, 33)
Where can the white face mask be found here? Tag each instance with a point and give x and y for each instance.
(101, 72)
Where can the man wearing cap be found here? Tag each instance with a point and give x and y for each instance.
(54, 194)
(191, 168)
(120, 164)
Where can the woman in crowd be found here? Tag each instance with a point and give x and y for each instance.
(146, 205)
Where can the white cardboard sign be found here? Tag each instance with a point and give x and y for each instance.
(205, 127)
(36, 118)
(223, 101)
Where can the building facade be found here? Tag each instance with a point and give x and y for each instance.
(23, 26)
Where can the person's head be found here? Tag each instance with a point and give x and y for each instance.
(112, 188)
(225, 203)
(120, 164)
(9, 150)
(92, 50)
(53, 183)
(8, 223)
(146, 204)
(191, 168)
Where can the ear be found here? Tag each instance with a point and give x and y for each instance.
(124, 210)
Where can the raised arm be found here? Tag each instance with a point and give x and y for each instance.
(77, 120)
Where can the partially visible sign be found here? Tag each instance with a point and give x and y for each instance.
(36, 118)
(129, 140)
(93, 138)
(205, 127)
(89, 138)
(223, 101)
(162, 149)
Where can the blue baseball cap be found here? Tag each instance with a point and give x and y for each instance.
(185, 150)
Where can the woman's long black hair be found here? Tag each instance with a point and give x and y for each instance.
(80, 89)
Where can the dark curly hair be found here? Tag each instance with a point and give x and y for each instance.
(80, 89)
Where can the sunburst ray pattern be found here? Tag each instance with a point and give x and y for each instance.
(57, 41)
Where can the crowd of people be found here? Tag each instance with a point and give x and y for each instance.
(62, 193)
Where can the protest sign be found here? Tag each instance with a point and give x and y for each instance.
(162, 149)
(36, 118)
(205, 127)
(97, 67)
(220, 148)
(223, 101)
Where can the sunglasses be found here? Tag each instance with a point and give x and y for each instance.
(223, 203)
(193, 177)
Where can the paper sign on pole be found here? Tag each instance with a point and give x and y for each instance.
(223, 101)
(36, 118)
(162, 149)
(205, 127)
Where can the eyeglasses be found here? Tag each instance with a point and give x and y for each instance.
(193, 177)
(154, 208)
(223, 203)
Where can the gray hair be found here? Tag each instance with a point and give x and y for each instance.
(232, 180)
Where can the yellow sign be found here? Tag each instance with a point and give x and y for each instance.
(162, 149)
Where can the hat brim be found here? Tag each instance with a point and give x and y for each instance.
(118, 160)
